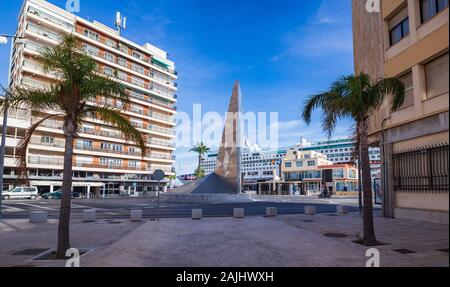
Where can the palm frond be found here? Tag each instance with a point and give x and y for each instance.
(33, 99)
(310, 104)
(388, 86)
(118, 121)
(105, 86)
(22, 148)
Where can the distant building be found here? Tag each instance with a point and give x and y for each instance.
(342, 150)
(308, 172)
(256, 164)
(259, 165)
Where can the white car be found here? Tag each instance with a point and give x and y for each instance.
(30, 192)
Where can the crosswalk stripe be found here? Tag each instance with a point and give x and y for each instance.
(36, 206)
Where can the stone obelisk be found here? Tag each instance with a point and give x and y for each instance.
(226, 179)
(228, 159)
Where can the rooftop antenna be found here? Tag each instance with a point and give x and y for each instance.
(120, 22)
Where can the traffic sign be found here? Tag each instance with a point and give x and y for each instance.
(159, 174)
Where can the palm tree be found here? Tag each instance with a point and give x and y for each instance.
(356, 97)
(201, 149)
(77, 82)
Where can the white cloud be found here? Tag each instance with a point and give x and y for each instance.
(327, 33)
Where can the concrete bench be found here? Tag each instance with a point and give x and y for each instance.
(238, 213)
(136, 215)
(310, 210)
(38, 217)
(89, 215)
(197, 214)
(340, 209)
(271, 211)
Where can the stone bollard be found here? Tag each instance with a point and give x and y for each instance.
(238, 213)
(271, 211)
(89, 215)
(197, 213)
(136, 215)
(38, 217)
(310, 210)
(340, 209)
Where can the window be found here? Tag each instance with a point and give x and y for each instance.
(338, 173)
(311, 162)
(108, 71)
(122, 76)
(137, 55)
(399, 26)
(123, 48)
(111, 43)
(122, 62)
(430, 8)
(47, 140)
(137, 82)
(90, 34)
(307, 156)
(84, 143)
(407, 80)
(137, 68)
(287, 164)
(109, 57)
(436, 76)
(90, 49)
(299, 163)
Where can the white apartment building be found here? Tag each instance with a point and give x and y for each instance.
(103, 161)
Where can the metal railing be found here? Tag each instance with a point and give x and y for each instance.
(422, 170)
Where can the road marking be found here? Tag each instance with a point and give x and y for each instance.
(12, 208)
(37, 206)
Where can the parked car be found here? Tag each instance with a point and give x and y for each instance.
(21, 192)
(57, 195)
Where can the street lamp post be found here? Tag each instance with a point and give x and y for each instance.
(4, 40)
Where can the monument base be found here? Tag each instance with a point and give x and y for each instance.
(210, 184)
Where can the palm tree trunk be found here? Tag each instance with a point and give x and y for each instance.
(64, 211)
(199, 161)
(369, 230)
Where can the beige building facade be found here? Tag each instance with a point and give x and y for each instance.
(409, 39)
(103, 161)
(305, 172)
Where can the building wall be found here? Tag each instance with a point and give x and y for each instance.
(421, 123)
(100, 151)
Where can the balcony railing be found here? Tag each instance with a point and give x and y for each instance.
(27, 82)
(50, 18)
(161, 130)
(45, 160)
(110, 166)
(35, 29)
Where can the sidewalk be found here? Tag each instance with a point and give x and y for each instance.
(291, 240)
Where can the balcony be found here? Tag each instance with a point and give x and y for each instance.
(50, 18)
(110, 166)
(50, 35)
(161, 143)
(45, 160)
(161, 130)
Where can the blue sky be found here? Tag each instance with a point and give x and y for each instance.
(280, 51)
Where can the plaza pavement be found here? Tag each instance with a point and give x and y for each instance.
(288, 240)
